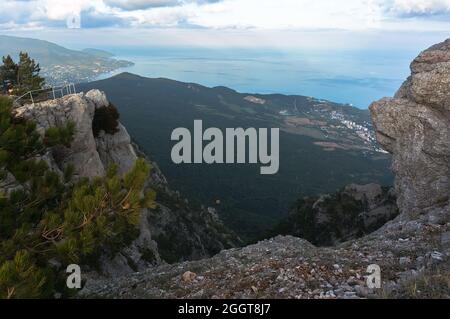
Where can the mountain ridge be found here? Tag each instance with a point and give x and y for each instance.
(60, 64)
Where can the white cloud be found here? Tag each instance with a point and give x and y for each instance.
(141, 4)
(146, 4)
(281, 14)
(264, 14)
(420, 7)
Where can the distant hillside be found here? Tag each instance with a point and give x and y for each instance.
(60, 64)
(98, 53)
(323, 146)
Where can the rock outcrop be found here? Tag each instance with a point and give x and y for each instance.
(174, 231)
(80, 110)
(415, 127)
(378, 203)
(350, 213)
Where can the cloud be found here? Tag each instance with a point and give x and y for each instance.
(92, 19)
(54, 13)
(141, 4)
(420, 8)
(131, 5)
(290, 14)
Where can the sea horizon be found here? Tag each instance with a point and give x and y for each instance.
(354, 77)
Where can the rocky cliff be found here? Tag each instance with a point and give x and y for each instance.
(415, 127)
(173, 231)
(413, 250)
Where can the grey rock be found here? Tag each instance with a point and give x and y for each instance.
(445, 239)
(76, 108)
(436, 255)
(9, 184)
(98, 98)
(404, 261)
(116, 148)
(415, 127)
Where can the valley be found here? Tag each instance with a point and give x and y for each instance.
(324, 146)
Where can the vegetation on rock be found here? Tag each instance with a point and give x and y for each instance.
(331, 219)
(48, 221)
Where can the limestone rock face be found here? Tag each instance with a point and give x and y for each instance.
(116, 148)
(415, 127)
(79, 109)
(90, 155)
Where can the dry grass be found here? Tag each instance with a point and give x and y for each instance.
(432, 284)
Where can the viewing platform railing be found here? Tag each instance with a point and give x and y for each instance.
(45, 94)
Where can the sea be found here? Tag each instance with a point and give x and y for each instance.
(355, 77)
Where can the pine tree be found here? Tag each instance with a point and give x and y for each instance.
(8, 71)
(23, 76)
(28, 74)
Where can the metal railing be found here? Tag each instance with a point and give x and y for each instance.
(45, 94)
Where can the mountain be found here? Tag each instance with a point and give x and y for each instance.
(98, 53)
(323, 145)
(410, 253)
(60, 64)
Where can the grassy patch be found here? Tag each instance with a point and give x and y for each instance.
(432, 284)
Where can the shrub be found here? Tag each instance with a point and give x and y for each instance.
(106, 119)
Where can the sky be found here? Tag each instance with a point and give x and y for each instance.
(336, 39)
(241, 14)
(227, 22)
